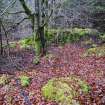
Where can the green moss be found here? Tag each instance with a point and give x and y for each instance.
(36, 60)
(4, 79)
(61, 36)
(25, 42)
(56, 90)
(84, 86)
(12, 45)
(49, 56)
(9, 99)
(69, 35)
(80, 31)
(37, 46)
(63, 90)
(49, 35)
(87, 42)
(25, 80)
(102, 37)
(29, 41)
(96, 51)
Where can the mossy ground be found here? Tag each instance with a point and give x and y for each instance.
(95, 51)
(63, 90)
(24, 80)
(4, 79)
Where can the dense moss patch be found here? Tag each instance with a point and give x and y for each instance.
(24, 80)
(63, 90)
(73, 35)
(25, 42)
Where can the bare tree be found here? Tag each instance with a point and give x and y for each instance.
(38, 19)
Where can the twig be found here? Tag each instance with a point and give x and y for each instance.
(18, 12)
(5, 10)
(47, 19)
(21, 21)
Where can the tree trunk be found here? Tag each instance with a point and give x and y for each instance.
(38, 33)
(42, 38)
(40, 42)
(1, 43)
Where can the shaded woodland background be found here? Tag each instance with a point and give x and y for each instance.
(48, 22)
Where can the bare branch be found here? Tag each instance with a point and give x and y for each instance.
(16, 24)
(5, 10)
(21, 21)
(47, 19)
(26, 9)
(18, 12)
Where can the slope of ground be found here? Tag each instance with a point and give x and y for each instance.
(60, 62)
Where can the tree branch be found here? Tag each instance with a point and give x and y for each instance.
(47, 19)
(16, 24)
(18, 12)
(26, 9)
(21, 21)
(5, 10)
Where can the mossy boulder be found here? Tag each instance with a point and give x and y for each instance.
(95, 51)
(63, 90)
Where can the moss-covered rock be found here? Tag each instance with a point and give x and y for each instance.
(63, 90)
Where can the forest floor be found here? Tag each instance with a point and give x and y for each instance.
(60, 61)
